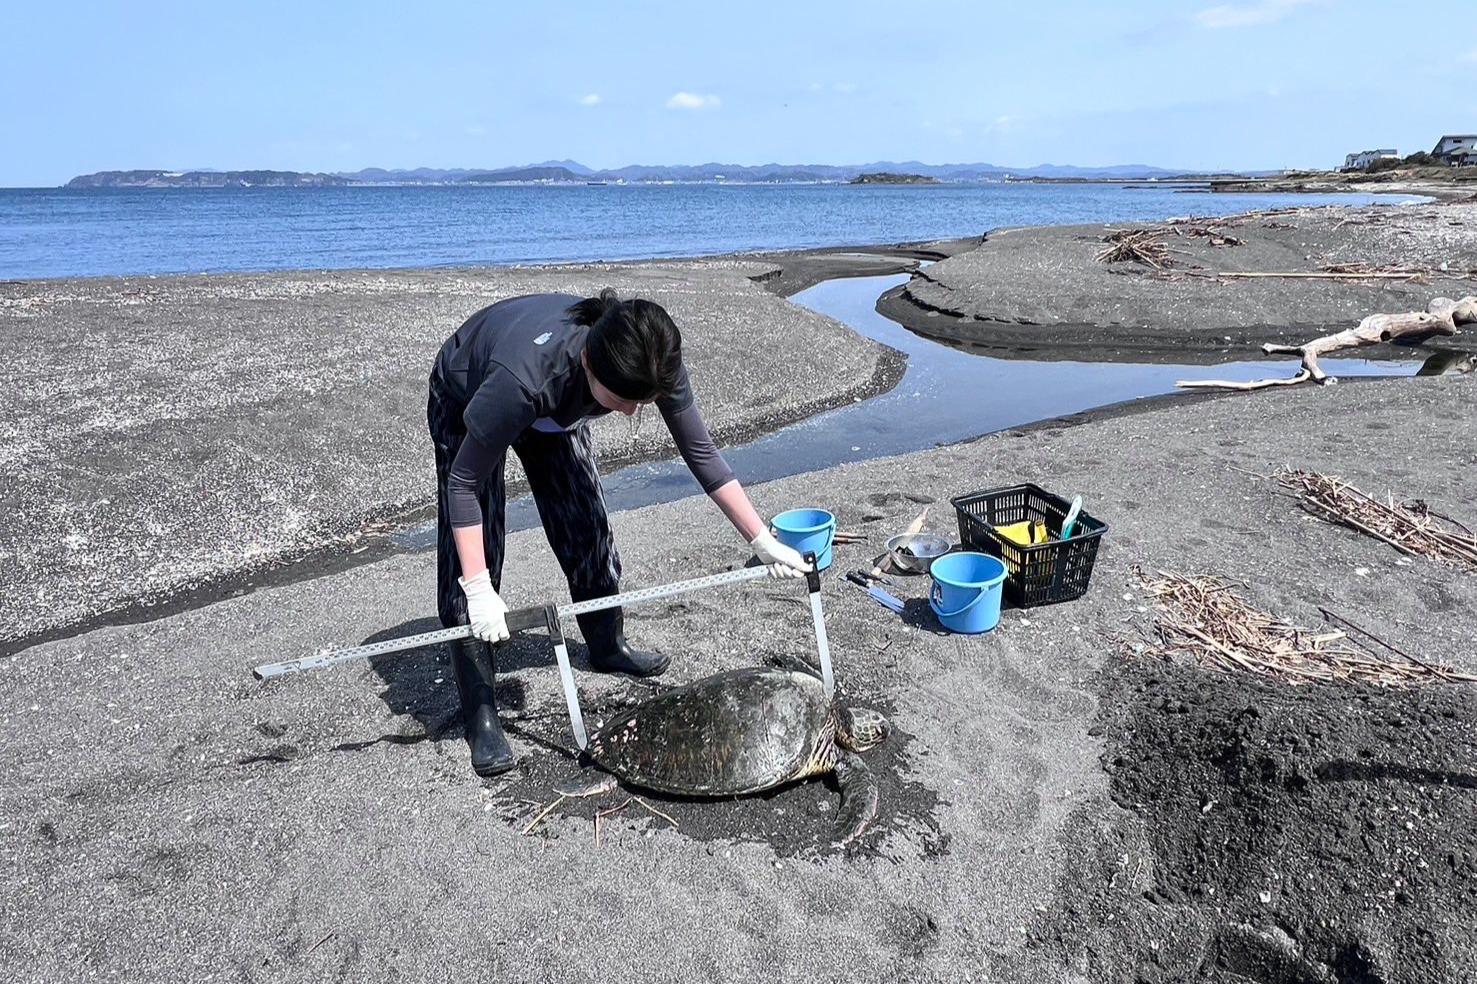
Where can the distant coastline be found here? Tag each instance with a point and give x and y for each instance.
(574, 173)
(207, 179)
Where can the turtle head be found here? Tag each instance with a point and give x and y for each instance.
(861, 728)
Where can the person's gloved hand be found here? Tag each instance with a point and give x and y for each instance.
(485, 610)
(782, 561)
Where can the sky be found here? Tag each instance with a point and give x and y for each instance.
(326, 85)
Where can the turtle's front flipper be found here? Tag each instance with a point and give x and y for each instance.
(858, 798)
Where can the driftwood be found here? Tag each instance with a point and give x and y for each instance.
(1442, 317)
(1144, 246)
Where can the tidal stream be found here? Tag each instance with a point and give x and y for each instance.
(946, 395)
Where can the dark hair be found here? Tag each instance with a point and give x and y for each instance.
(634, 348)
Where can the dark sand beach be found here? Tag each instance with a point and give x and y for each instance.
(193, 818)
(1043, 803)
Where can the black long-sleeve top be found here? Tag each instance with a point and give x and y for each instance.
(516, 365)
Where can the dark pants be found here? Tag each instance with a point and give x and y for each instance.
(566, 488)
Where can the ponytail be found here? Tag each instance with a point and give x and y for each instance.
(588, 311)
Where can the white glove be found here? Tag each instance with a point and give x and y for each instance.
(782, 561)
(485, 610)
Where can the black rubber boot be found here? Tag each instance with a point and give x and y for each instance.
(471, 663)
(605, 634)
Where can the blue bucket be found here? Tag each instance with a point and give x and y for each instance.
(966, 591)
(808, 531)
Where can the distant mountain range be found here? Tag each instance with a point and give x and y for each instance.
(573, 172)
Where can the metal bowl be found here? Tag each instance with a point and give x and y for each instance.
(914, 552)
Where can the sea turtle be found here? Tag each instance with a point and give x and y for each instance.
(743, 731)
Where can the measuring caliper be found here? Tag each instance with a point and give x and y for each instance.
(548, 616)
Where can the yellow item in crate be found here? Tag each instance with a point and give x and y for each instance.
(1026, 533)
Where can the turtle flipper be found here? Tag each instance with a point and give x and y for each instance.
(858, 798)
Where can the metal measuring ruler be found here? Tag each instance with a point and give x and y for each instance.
(548, 616)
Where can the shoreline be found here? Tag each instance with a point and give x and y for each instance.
(799, 257)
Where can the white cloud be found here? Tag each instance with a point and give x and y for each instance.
(593, 99)
(845, 87)
(1470, 57)
(692, 100)
(476, 130)
(1248, 14)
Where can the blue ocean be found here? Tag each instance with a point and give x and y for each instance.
(105, 232)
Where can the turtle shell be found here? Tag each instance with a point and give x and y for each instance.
(730, 733)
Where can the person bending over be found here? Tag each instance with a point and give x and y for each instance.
(527, 374)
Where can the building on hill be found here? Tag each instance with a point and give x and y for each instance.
(1364, 158)
(1456, 149)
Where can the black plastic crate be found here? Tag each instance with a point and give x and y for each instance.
(1043, 573)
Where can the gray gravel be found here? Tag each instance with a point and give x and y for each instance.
(157, 433)
(165, 816)
(1038, 292)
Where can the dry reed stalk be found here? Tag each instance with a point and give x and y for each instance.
(1397, 270)
(1411, 526)
(1200, 618)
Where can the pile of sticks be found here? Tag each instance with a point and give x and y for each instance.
(1144, 246)
(1411, 527)
(1203, 620)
